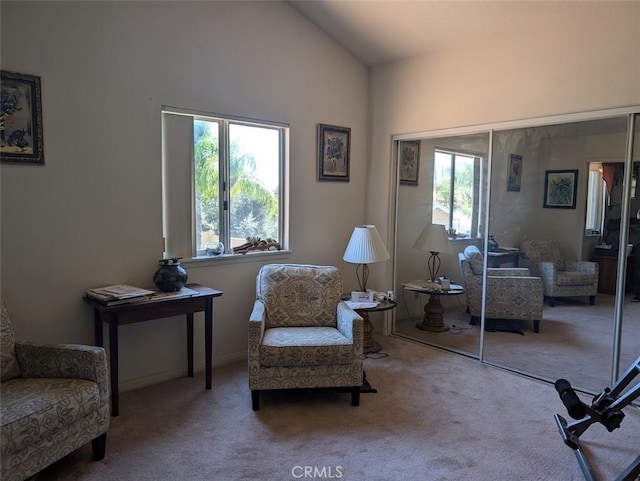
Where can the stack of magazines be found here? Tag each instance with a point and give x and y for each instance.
(119, 294)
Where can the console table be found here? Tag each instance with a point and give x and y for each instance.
(122, 314)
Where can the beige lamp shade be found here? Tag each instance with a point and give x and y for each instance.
(365, 247)
(433, 238)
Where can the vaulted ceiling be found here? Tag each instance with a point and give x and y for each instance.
(383, 31)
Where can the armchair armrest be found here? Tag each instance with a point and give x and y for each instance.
(64, 360)
(586, 267)
(257, 321)
(351, 325)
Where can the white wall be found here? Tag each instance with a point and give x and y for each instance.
(92, 215)
(585, 66)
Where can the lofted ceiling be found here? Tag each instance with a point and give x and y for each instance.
(382, 31)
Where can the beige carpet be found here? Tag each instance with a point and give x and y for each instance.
(436, 416)
(575, 341)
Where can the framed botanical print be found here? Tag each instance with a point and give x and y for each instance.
(514, 175)
(334, 146)
(409, 161)
(21, 139)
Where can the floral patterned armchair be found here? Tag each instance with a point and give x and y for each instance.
(561, 278)
(512, 293)
(53, 399)
(301, 335)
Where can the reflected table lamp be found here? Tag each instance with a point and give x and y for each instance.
(434, 239)
(366, 247)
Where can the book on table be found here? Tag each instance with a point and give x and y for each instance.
(119, 294)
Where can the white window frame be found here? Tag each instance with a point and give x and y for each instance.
(178, 188)
(479, 187)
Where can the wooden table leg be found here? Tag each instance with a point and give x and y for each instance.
(368, 344)
(97, 329)
(113, 360)
(208, 339)
(190, 344)
(433, 316)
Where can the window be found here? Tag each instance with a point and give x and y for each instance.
(596, 200)
(223, 181)
(457, 178)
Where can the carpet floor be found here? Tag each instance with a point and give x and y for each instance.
(436, 416)
(575, 340)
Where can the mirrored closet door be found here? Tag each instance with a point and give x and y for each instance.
(508, 198)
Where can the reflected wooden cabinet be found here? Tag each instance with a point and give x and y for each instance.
(608, 273)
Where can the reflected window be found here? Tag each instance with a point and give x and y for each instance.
(456, 192)
(596, 200)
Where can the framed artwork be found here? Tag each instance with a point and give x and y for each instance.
(20, 119)
(409, 162)
(334, 146)
(514, 174)
(560, 189)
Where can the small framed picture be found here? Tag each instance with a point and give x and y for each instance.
(21, 132)
(560, 189)
(334, 146)
(514, 175)
(409, 162)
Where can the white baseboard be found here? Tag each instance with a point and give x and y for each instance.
(139, 382)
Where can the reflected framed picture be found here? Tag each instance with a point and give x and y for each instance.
(409, 161)
(334, 146)
(21, 139)
(514, 174)
(560, 189)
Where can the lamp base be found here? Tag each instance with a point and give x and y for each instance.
(433, 320)
(368, 344)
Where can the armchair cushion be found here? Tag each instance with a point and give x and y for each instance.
(305, 346)
(54, 404)
(299, 295)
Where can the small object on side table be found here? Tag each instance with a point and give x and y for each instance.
(171, 276)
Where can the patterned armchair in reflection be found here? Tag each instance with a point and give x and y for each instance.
(512, 293)
(53, 399)
(301, 335)
(561, 278)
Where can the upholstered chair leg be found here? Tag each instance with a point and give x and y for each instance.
(536, 325)
(592, 300)
(255, 400)
(99, 446)
(355, 396)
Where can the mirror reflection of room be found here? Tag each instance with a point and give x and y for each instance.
(530, 324)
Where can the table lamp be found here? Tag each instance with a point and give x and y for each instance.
(434, 239)
(365, 247)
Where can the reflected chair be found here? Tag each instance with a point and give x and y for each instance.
(561, 278)
(301, 335)
(512, 293)
(53, 400)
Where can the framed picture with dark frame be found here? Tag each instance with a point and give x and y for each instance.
(409, 162)
(21, 139)
(560, 189)
(514, 174)
(334, 147)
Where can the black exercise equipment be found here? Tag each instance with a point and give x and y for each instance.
(605, 409)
